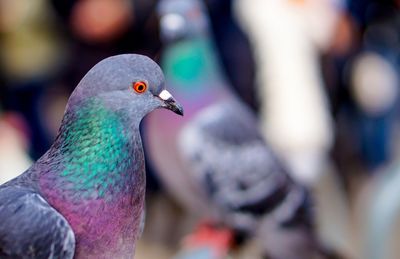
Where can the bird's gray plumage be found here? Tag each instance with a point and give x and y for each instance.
(234, 165)
(31, 228)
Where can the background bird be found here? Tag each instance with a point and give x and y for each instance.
(84, 197)
(219, 166)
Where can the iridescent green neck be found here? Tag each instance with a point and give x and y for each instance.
(95, 150)
(191, 64)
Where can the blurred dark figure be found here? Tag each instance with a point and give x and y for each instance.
(234, 49)
(364, 102)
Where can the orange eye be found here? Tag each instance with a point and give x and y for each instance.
(139, 87)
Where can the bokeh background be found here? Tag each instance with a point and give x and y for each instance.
(321, 76)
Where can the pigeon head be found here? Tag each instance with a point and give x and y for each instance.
(129, 84)
(98, 145)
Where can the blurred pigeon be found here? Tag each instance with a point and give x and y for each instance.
(217, 164)
(224, 150)
(84, 197)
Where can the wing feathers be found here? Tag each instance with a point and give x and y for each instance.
(31, 228)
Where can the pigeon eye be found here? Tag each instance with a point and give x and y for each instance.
(139, 87)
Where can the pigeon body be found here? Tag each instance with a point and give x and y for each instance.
(84, 197)
(229, 158)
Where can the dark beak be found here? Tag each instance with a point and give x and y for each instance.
(170, 102)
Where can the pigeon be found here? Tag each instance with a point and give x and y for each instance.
(84, 197)
(218, 166)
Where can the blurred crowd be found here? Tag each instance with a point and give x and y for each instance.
(321, 76)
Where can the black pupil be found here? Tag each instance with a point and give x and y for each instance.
(140, 87)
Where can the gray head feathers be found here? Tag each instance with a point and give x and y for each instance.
(112, 81)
